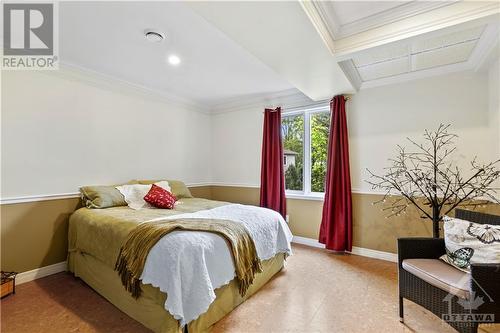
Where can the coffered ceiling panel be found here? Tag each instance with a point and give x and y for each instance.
(435, 51)
(461, 36)
(384, 69)
(443, 55)
(381, 54)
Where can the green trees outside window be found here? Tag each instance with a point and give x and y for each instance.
(320, 129)
(298, 147)
(292, 128)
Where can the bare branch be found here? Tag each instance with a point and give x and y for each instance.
(428, 180)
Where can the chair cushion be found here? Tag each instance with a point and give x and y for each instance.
(441, 275)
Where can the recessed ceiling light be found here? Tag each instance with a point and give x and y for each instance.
(174, 60)
(154, 36)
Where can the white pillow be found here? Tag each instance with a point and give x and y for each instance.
(134, 194)
(484, 239)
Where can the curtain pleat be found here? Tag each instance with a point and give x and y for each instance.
(336, 222)
(272, 180)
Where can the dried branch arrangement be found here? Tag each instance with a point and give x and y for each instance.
(426, 179)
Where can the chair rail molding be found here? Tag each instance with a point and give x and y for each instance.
(60, 196)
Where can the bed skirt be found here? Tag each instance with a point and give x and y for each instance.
(149, 308)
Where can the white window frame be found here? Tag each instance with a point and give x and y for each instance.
(306, 171)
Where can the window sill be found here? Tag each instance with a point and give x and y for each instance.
(300, 196)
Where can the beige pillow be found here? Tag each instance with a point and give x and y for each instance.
(103, 196)
(134, 193)
(179, 189)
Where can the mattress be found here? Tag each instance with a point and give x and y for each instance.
(95, 237)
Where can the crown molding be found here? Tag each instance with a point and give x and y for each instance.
(405, 21)
(286, 98)
(351, 73)
(323, 19)
(485, 46)
(444, 17)
(112, 83)
(389, 16)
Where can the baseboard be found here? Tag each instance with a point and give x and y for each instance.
(360, 251)
(307, 241)
(40, 272)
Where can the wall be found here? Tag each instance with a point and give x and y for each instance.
(34, 234)
(60, 132)
(52, 140)
(378, 120)
(494, 98)
(64, 129)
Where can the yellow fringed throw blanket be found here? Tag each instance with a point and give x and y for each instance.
(132, 258)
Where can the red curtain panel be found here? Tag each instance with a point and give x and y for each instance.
(336, 223)
(272, 180)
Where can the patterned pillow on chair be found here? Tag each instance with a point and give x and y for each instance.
(469, 243)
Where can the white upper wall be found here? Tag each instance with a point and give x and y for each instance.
(494, 98)
(378, 120)
(60, 132)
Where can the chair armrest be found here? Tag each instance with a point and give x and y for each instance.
(420, 248)
(486, 282)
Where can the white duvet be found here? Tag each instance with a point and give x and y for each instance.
(189, 265)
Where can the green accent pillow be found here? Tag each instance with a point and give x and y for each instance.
(179, 189)
(103, 196)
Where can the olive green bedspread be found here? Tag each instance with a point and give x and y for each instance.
(94, 240)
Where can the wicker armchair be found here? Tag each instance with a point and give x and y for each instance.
(484, 281)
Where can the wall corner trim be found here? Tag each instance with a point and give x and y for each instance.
(360, 251)
(41, 272)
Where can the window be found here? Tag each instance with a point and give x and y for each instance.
(305, 142)
(292, 129)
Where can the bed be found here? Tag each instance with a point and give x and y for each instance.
(94, 240)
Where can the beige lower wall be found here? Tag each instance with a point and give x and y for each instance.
(371, 228)
(201, 192)
(34, 234)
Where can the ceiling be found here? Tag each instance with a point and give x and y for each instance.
(237, 53)
(280, 34)
(108, 37)
(411, 56)
(350, 11)
(440, 52)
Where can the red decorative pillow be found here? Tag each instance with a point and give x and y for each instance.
(160, 198)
